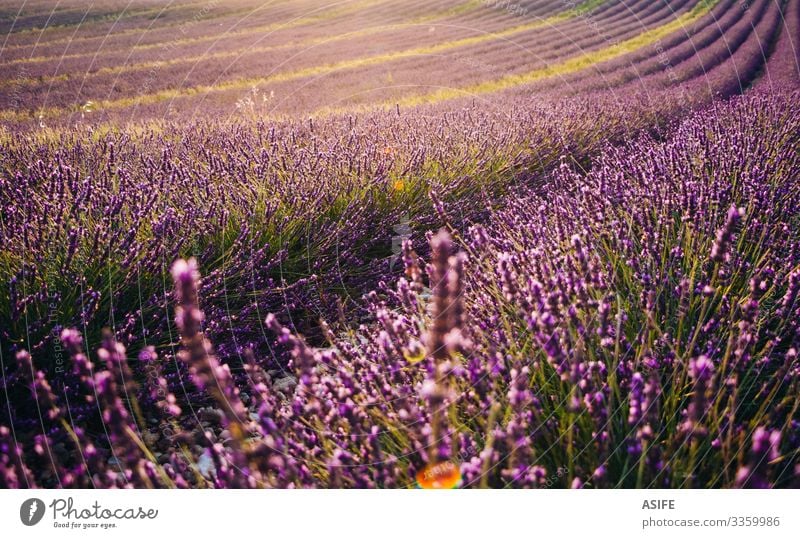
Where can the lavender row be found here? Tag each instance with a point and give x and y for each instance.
(634, 325)
(671, 51)
(294, 218)
(782, 66)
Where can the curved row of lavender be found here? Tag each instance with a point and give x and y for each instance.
(614, 301)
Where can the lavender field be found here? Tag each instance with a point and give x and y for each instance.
(384, 244)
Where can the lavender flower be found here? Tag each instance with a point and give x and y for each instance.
(765, 448)
(721, 246)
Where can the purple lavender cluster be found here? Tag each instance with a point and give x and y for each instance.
(630, 325)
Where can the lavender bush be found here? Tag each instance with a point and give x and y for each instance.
(564, 341)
